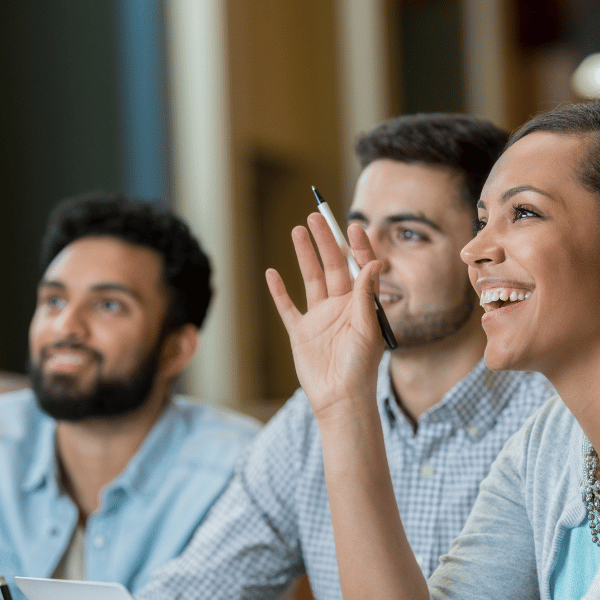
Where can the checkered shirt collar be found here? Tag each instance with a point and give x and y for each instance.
(474, 402)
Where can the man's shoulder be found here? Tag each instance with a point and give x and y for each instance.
(20, 416)
(18, 397)
(290, 438)
(214, 437)
(203, 415)
(295, 418)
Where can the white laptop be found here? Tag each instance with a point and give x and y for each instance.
(61, 589)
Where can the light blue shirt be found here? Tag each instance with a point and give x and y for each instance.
(146, 516)
(577, 564)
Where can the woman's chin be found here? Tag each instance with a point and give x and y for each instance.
(502, 361)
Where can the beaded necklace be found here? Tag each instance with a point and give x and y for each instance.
(591, 488)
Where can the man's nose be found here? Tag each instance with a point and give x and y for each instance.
(71, 323)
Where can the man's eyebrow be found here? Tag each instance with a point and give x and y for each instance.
(411, 217)
(99, 287)
(116, 287)
(396, 218)
(356, 215)
(44, 283)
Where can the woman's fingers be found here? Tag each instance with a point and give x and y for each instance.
(333, 279)
(285, 307)
(362, 249)
(310, 267)
(364, 290)
(360, 244)
(337, 275)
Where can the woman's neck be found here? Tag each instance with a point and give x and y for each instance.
(577, 381)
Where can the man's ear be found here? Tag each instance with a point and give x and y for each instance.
(177, 351)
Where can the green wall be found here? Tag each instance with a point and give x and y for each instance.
(59, 135)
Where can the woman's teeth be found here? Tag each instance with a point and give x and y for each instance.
(502, 295)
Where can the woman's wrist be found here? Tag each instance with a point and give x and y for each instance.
(345, 414)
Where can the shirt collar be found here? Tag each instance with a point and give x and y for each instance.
(146, 463)
(476, 401)
(44, 466)
(473, 404)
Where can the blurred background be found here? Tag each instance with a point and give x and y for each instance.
(228, 111)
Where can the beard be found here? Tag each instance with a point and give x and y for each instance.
(58, 396)
(419, 329)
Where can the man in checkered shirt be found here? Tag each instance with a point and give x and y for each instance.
(445, 415)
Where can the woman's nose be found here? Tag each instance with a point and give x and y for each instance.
(484, 248)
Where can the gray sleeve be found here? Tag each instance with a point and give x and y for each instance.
(248, 546)
(494, 556)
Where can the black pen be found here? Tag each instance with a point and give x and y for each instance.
(4, 589)
(386, 330)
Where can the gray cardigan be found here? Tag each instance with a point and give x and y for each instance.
(532, 496)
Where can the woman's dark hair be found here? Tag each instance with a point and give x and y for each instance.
(186, 267)
(467, 145)
(582, 120)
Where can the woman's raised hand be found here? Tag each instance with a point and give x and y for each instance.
(337, 343)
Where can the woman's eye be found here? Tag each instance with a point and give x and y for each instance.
(522, 212)
(478, 225)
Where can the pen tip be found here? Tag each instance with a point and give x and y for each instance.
(317, 195)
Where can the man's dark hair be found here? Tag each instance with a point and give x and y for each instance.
(186, 268)
(467, 145)
(582, 120)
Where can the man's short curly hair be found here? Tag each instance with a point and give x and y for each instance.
(467, 145)
(186, 267)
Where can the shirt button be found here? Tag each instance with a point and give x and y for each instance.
(472, 431)
(99, 541)
(427, 471)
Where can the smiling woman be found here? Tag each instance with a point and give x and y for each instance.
(535, 263)
(539, 232)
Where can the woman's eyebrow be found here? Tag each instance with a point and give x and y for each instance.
(508, 194)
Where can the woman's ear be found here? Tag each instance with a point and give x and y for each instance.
(178, 348)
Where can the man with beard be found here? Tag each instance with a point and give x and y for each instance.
(445, 415)
(105, 473)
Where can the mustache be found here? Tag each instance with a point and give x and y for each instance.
(391, 287)
(46, 350)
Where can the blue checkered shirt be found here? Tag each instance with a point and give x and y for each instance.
(273, 523)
